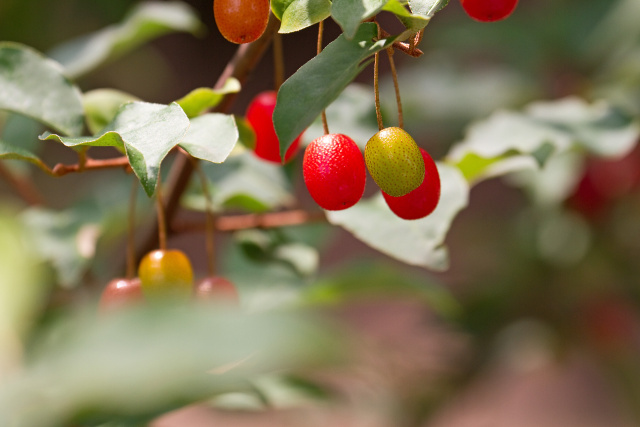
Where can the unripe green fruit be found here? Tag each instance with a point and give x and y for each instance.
(394, 161)
(166, 275)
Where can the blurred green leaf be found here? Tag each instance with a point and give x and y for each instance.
(300, 14)
(246, 134)
(201, 99)
(245, 181)
(364, 280)
(33, 85)
(319, 82)
(279, 6)
(146, 131)
(211, 137)
(102, 105)
(145, 22)
(144, 361)
(510, 141)
(418, 242)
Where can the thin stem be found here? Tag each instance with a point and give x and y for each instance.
(90, 164)
(278, 61)
(396, 87)
(376, 90)
(405, 47)
(82, 158)
(210, 230)
(131, 243)
(23, 186)
(162, 224)
(265, 220)
(323, 115)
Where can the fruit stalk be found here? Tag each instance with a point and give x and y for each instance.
(323, 115)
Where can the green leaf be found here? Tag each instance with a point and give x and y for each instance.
(243, 181)
(211, 137)
(201, 99)
(11, 152)
(102, 105)
(412, 21)
(350, 13)
(510, 141)
(146, 131)
(142, 362)
(144, 23)
(319, 82)
(428, 8)
(419, 242)
(301, 14)
(32, 85)
(279, 6)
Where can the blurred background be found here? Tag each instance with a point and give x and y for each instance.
(535, 323)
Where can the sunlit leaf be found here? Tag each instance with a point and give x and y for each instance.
(201, 99)
(350, 13)
(300, 14)
(319, 82)
(146, 131)
(147, 21)
(211, 137)
(418, 242)
(427, 7)
(33, 85)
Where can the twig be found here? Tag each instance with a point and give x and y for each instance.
(402, 46)
(91, 164)
(23, 186)
(241, 222)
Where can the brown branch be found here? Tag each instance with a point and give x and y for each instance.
(242, 222)
(91, 164)
(403, 47)
(240, 66)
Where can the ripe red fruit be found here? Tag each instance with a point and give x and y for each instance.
(489, 10)
(260, 116)
(334, 171)
(120, 293)
(421, 201)
(241, 21)
(217, 289)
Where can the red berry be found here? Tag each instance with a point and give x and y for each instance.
(120, 293)
(260, 116)
(334, 171)
(241, 21)
(421, 201)
(489, 10)
(218, 290)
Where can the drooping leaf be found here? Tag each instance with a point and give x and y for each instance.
(145, 22)
(146, 131)
(35, 86)
(319, 82)
(211, 137)
(11, 152)
(301, 14)
(102, 105)
(201, 99)
(418, 242)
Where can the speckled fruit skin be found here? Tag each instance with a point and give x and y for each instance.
(394, 161)
(166, 274)
(489, 10)
(218, 290)
(260, 115)
(334, 171)
(120, 293)
(423, 200)
(241, 21)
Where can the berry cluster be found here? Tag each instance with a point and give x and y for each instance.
(166, 275)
